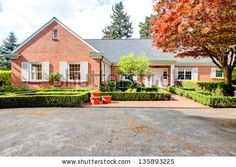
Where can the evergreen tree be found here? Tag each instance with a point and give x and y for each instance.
(120, 27)
(8, 45)
(144, 30)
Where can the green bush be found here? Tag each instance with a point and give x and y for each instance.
(138, 96)
(9, 88)
(191, 85)
(212, 101)
(43, 100)
(234, 76)
(152, 89)
(207, 86)
(5, 78)
(112, 86)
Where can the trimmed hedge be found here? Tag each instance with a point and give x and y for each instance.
(43, 100)
(212, 101)
(138, 96)
(5, 78)
(152, 89)
(201, 86)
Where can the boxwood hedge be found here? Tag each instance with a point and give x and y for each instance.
(138, 96)
(43, 100)
(212, 101)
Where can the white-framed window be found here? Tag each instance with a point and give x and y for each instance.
(54, 34)
(184, 74)
(36, 72)
(219, 73)
(165, 74)
(74, 71)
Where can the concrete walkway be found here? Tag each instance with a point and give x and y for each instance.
(175, 102)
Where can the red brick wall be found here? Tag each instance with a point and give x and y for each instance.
(67, 48)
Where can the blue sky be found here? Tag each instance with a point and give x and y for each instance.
(85, 17)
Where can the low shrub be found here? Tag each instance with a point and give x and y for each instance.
(43, 100)
(207, 86)
(191, 85)
(112, 86)
(138, 96)
(152, 89)
(212, 101)
(9, 88)
(5, 78)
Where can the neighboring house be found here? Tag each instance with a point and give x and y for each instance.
(55, 48)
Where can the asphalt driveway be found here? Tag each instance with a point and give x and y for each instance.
(117, 132)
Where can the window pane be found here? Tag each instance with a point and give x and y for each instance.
(164, 74)
(181, 74)
(36, 71)
(219, 73)
(74, 73)
(188, 74)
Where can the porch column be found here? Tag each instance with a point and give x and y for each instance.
(172, 75)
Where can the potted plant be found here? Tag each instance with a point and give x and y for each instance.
(54, 78)
(95, 94)
(95, 100)
(106, 99)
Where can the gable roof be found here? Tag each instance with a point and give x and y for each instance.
(54, 19)
(114, 49)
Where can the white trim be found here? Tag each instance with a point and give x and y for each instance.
(68, 72)
(184, 69)
(45, 26)
(30, 74)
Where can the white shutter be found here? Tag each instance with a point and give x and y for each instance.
(195, 74)
(25, 69)
(213, 72)
(45, 70)
(176, 73)
(84, 71)
(63, 71)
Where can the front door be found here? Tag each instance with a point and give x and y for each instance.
(159, 77)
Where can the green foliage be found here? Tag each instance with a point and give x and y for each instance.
(43, 100)
(217, 88)
(9, 88)
(212, 101)
(8, 45)
(5, 78)
(144, 30)
(54, 77)
(138, 96)
(189, 84)
(120, 27)
(112, 86)
(234, 76)
(132, 64)
(153, 89)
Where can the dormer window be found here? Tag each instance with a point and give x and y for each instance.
(54, 34)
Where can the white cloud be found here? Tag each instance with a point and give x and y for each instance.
(87, 18)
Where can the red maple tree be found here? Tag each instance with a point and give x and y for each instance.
(198, 28)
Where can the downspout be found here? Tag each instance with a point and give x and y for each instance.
(101, 70)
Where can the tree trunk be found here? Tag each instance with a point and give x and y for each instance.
(227, 76)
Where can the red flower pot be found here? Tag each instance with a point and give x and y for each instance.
(95, 94)
(95, 100)
(106, 99)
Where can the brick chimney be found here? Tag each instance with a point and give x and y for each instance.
(106, 37)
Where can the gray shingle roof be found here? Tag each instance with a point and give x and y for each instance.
(113, 49)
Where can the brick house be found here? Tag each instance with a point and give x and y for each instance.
(55, 48)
